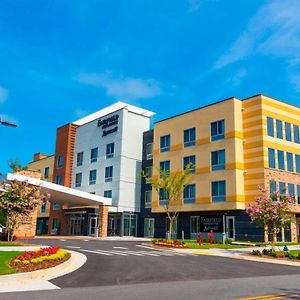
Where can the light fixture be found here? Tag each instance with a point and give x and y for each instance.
(7, 124)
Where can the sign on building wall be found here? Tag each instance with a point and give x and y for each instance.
(208, 223)
(107, 123)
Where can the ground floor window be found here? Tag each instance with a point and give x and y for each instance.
(129, 224)
(195, 224)
(149, 227)
(55, 226)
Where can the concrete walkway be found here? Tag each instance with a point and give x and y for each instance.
(244, 253)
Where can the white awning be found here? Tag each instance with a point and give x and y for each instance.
(62, 194)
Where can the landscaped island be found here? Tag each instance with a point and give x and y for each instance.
(14, 261)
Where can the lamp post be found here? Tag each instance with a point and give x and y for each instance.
(4, 123)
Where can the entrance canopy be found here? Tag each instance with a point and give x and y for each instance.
(62, 194)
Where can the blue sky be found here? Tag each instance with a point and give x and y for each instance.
(60, 60)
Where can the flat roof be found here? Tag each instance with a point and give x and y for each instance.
(220, 101)
(62, 194)
(112, 108)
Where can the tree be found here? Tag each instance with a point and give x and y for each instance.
(172, 186)
(15, 165)
(271, 211)
(18, 202)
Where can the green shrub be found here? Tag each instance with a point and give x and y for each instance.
(256, 252)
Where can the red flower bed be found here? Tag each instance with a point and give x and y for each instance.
(28, 255)
(174, 244)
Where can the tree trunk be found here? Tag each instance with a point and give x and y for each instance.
(274, 238)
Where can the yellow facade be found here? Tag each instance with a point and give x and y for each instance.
(246, 149)
(41, 163)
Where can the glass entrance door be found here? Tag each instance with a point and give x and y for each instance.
(149, 227)
(76, 225)
(93, 226)
(129, 225)
(230, 227)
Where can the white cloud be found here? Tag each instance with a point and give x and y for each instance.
(3, 94)
(295, 80)
(123, 88)
(273, 30)
(194, 5)
(80, 113)
(237, 78)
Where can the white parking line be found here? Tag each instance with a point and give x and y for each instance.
(121, 248)
(62, 240)
(114, 252)
(85, 240)
(134, 253)
(96, 252)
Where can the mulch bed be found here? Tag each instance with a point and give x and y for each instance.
(19, 267)
(272, 257)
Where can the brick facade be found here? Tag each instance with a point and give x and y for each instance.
(103, 220)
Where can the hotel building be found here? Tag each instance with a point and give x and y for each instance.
(236, 145)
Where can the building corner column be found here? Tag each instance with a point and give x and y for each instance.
(102, 221)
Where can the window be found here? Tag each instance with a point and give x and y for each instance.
(296, 134)
(60, 161)
(148, 171)
(273, 186)
(280, 157)
(55, 226)
(279, 132)
(270, 126)
(189, 194)
(108, 194)
(298, 194)
(46, 172)
(218, 160)
(195, 224)
(94, 154)
(108, 173)
(189, 137)
(148, 195)
(58, 179)
(78, 179)
(165, 142)
(282, 188)
(190, 160)
(56, 206)
(271, 158)
(291, 189)
(290, 162)
(218, 191)
(163, 197)
(288, 131)
(165, 166)
(93, 177)
(297, 159)
(110, 150)
(149, 151)
(217, 130)
(43, 208)
(79, 158)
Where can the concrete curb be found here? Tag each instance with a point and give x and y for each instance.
(75, 262)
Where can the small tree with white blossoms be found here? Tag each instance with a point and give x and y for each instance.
(18, 202)
(272, 211)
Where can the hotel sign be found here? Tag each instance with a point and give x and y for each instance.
(214, 223)
(107, 123)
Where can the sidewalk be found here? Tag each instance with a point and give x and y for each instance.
(243, 253)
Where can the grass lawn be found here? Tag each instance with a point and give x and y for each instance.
(5, 257)
(294, 252)
(194, 245)
(8, 244)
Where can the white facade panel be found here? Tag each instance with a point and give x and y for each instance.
(125, 129)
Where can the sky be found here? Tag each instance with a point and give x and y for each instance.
(63, 59)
